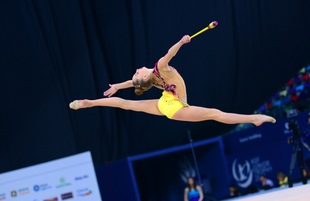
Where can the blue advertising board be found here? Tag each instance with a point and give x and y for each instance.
(262, 150)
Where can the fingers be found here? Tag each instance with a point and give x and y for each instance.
(111, 94)
(110, 91)
(186, 39)
(107, 92)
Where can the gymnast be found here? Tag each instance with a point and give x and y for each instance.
(173, 102)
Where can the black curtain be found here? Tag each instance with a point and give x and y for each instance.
(53, 52)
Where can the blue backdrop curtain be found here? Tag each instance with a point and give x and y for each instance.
(53, 52)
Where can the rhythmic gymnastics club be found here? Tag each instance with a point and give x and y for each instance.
(211, 26)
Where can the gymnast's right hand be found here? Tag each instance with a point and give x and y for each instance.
(110, 91)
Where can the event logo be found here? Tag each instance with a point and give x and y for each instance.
(81, 177)
(66, 196)
(2, 196)
(260, 167)
(242, 173)
(83, 192)
(250, 172)
(52, 199)
(41, 187)
(63, 183)
(13, 194)
(23, 191)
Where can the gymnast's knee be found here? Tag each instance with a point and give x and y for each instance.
(131, 105)
(213, 113)
(125, 104)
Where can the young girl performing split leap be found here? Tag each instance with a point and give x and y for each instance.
(173, 102)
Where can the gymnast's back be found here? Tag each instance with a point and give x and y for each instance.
(170, 76)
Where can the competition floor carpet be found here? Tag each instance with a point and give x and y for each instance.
(298, 192)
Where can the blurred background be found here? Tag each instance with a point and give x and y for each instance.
(54, 52)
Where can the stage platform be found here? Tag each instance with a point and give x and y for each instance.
(298, 192)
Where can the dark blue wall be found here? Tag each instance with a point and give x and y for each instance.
(117, 181)
(158, 175)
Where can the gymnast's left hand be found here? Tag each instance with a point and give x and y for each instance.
(186, 39)
(110, 91)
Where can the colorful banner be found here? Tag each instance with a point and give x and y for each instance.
(69, 178)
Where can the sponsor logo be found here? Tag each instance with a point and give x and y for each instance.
(63, 183)
(41, 187)
(83, 192)
(52, 199)
(2, 196)
(249, 171)
(242, 173)
(23, 191)
(81, 177)
(66, 196)
(13, 194)
(36, 188)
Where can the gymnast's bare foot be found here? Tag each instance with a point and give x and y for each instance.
(260, 119)
(79, 104)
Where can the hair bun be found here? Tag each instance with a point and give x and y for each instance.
(139, 92)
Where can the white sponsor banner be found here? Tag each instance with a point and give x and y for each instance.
(70, 178)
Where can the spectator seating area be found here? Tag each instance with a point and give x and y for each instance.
(295, 94)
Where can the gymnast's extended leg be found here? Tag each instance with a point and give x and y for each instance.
(195, 114)
(147, 106)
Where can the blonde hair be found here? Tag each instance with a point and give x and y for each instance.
(142, 85)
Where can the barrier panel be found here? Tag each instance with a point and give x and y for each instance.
(261, 150)
(71, 178)
(161, 175)
(239, 158)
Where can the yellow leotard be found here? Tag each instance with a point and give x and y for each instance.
(168, 104)
(173, 98)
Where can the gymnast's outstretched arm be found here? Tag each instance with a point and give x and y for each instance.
(163, 62)
(115, 87)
